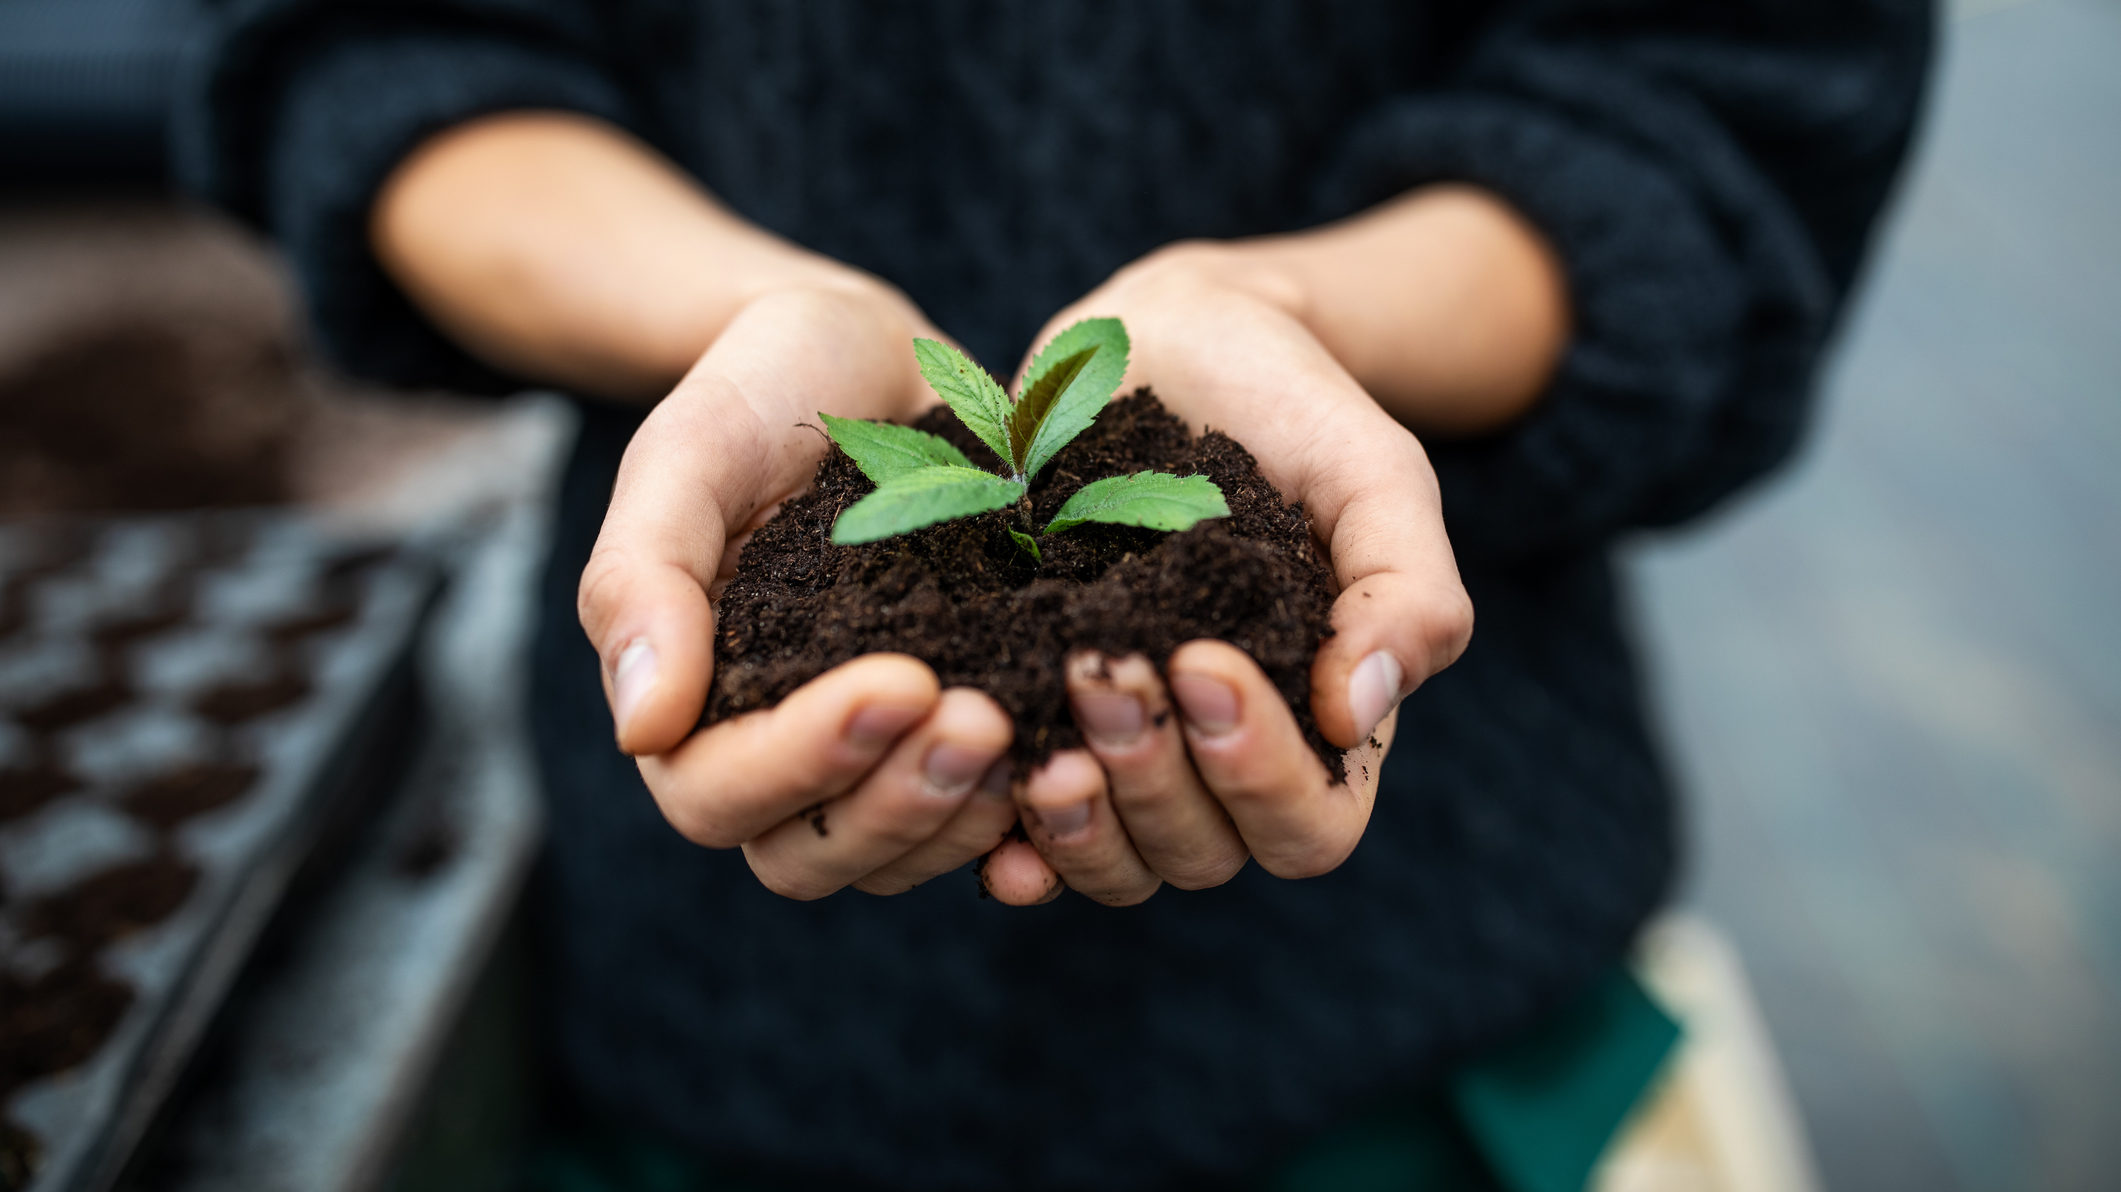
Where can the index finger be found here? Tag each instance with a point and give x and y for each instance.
(736, 778)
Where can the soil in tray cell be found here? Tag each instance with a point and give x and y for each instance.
(964, 598)
(122, 631)
(54, 1022)
(14, 614)
(324, 618)
(240, 700)
(217, 542)
(23, 789)
(112, 904)
(169, 799)
(107, 693)
(53, 549)
(349, 565)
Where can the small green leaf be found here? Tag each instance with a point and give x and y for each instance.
(979, 402)
(923, 497)
(883, 450)
(1036, 401)
(1080, 386)
(1028, 543)
(1154, 500)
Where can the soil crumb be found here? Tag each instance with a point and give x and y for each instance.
(170, 798)
(242, 700)
(113, 903)
(322, 619)
(123, 631)
(964, 598)
(71, 707)
(432, 843)
(51, 1023)
(24, 789)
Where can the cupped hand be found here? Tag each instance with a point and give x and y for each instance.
(1187, 798)
(869, 775)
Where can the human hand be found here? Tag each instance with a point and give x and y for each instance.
(1186, 799)
(903, 774)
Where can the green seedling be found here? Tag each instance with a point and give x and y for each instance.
(922, 479)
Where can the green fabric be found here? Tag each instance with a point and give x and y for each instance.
(1533, 1116)
(1402, 1146)
(605, 1158)
(1543, 1109)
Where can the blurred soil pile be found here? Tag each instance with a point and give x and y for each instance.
(147, 361)
(152, 357)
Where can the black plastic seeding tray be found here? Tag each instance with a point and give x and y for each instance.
(185, 704)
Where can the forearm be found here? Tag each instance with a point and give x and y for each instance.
(1444, 304)
(562, 250)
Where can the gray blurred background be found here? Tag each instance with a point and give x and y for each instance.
(1891, 681)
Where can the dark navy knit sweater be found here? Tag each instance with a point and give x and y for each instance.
(1709, 173)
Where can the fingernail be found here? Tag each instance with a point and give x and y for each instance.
(880, 724)
(1063, 822)
(1373, 689)
(1210, 704)
(1109, 717)
(631, 679)
(995, 782)
(950, 770)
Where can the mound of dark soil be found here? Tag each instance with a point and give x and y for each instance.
(965, 599)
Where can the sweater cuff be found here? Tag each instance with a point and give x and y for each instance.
(348, 110)
(1658, 306)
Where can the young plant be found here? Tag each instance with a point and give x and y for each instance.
(922, 479)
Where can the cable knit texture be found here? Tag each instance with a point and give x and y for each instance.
(1708, 174)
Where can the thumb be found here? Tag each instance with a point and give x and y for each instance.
(726, 446)
(694, 471)
(1402, 614)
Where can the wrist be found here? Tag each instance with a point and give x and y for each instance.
(1252, 268)
(715, 287)
(849, 350)
(1445, 305)
(560, 249)
(1449, 306)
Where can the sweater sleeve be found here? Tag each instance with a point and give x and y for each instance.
(297, 111)
(1708, 174)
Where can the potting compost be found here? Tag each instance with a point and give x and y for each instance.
(968, 601)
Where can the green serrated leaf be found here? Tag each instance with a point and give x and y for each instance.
(883, 449)
(1153, 500)
(1083, 385)
(923, 497)
(979, 402)
(1036, 401)
(1029, 543)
